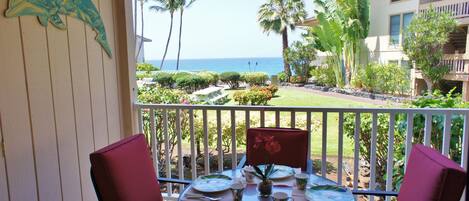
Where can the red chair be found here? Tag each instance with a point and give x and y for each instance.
(429, 176)
(294, 144)
(124, 171)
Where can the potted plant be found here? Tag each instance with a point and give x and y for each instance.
(271, 147)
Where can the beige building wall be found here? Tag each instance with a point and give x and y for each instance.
(378, 41)
(61, 98)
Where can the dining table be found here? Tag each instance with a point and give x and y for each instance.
(286, 185)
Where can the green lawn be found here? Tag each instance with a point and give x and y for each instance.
(296, 97)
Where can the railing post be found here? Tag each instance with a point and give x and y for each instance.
(234, 156)
(206, 148)
(446, 134)
(166, 152)
(390, 159)
(324, 146)
(193, 148)
(219, 141)
(374, 132)
(341, 148)
(356, 156)
(409, 136)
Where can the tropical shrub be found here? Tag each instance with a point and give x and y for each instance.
(296, 79)
(255, 78)
(147, 67)
(282, 77)
(231, 78)
(140, 76)
(164, 79)
(211, 77)
(300, 56)
(424, 41)
(191, 82)
(255, 95)
(438, 100)
(241, 97)
(179, 74)
(342, 27)
(324, 76)
(390, 79)
(272, 88)
(260, 97)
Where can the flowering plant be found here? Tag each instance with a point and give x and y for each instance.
(271, 147)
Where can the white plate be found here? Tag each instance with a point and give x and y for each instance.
(332, 195)
(281, 172)
(212, 183)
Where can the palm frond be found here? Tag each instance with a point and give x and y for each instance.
(278, 15)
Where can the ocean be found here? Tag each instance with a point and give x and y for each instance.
(271, 66)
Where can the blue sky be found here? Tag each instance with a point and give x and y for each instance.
(215, 29)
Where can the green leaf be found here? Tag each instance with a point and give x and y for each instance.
(259, 172)
(329, 188)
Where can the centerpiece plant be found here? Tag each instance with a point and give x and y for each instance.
(271, 146)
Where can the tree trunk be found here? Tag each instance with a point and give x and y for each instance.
(429, 84)
(286, 66)
(180, 36)
(198, 147)
(167, 42)
(140, 45)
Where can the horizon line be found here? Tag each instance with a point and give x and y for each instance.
(216, 58)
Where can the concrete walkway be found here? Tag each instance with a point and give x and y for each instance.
(344, 96)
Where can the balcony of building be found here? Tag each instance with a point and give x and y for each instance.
(459, 9)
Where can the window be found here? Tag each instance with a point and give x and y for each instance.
(405, 64)
(406, 19)
(395, 29)
(396, 62)
(398, 27)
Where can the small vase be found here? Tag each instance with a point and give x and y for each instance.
(265, 188)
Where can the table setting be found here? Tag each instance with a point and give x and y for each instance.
(286, 184)
(265, 182)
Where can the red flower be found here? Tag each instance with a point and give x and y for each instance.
(260, 139)
(272, 147)
(268, 143)
(184, 101)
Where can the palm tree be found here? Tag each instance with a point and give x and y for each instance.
(142, 2)
(166, 6)
(183, 4)
(279, 15)
(355, 22)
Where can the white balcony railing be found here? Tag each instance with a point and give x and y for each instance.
(171, 123)
(456, 65)
(457, 8)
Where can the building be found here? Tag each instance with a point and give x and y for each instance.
(141, 55)
(388, 21)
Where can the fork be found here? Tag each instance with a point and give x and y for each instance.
(202, 197)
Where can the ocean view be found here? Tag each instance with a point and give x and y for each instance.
(271, 66)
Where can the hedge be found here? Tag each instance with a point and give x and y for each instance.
(255, 78)
(231, 78)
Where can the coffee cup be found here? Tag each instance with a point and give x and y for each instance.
(237, 190)
(301, 181)
(280, 196)
(249, 173)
